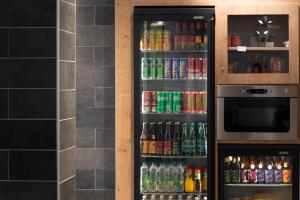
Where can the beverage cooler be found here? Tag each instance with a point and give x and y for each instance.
(174, 100)
(258, 172)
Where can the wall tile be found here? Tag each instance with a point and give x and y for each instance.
(4, 165)
(28, 13)
(67, 75)
(105, 15)
(85, 97)
(96, 117)
(105, 57)
(93, 77)
(86, 137)
(105, 97)
(28, 73)
(31, 103)
(67, 16)
(95, 158)
(28, 134)
(67, 190)
(95, 194)
(70, 1)
(32, 42)
(3, 42)
(67, 104)
(105, 138)
(27, 190)
(105, 179)
(67, 46)
(3, 104)
(85, 15)
(67, 164)
(32, 165)
(85, 178)
(67, 133)
(85, 56)
(89, 36)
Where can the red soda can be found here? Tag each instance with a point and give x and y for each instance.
(198, 102)
(184, 106)
(146, 101)
(204, 71)
(204, 101)
(198, 68)
(183, 68)
(153, 101)
(191, 68)
(191, 102)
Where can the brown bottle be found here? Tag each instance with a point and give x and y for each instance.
(144, 142)
(152, 140)
(160, 139)
(168, 140)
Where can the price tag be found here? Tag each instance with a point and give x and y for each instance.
(242, 48)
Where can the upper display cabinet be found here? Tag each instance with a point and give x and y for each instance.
(257, 44)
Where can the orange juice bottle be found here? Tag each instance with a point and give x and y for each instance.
(189, 182)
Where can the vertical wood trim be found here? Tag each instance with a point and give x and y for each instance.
(124, 100)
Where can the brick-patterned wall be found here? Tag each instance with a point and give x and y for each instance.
(95, 100)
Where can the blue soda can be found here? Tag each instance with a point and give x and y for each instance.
(168, 68)
(183, 68)
(176, 68)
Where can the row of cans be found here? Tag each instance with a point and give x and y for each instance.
(174, 102)
(174, 68)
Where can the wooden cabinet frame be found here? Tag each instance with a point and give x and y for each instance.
(124, 158)
(224, 77)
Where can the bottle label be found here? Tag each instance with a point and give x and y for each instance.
(175, 148)
(269, 176)
(235, 178)
(167, 147)
(197, 39)
(152, 147)
(244, 176)
(278, 175)
(287, 176)
(253, 176)
(159, 147)
(260, 176)
(144, 145)
(227, 176)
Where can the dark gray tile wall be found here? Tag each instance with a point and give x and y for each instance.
(28, 100)
(95, 151)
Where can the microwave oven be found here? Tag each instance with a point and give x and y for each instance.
(257, 112)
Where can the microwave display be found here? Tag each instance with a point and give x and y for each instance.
(256, 114)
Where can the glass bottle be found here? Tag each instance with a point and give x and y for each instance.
(198, 184)
(189, 182)
(261, 170)
(144, 142)
(278, 172)
(287, 170)
(245, 170)
(160, 139)
(152, 141)
(168, 140)
(176, 140)
(253, 170)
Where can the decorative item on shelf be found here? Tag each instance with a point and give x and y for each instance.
(270, 41)
(235, 40)
(286, 44)
(277, 65)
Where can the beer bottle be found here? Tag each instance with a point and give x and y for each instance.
(278, 172)
(287, 171)
(160, 139)
(204, 180)
(269, 171)
(192, 140)
(198, 36)
(234, 173)
(184, 139)
(253, 170)
(197, 182)
(261, 170)
(244, 170)
(227, 168)
(168, 140)
(152, 140)
(144, 142)
(198, 139)
(176, 140)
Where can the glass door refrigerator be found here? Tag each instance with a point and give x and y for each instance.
(174, 103)
(258, 172)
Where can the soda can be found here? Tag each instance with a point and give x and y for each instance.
(160, 108)
(198, 68)
(204, 101)
(145, 68)
(151, 40)
(176, 102)
(146, 101)
(160, 68)
(191, 68)
(184, 103)
(168, 68)
(198, 102)
(183, 68)
(175, 68)
(169, 102)
(153, 101)
(153, 69)
(204, 71)
(190, 102)
(159, 40)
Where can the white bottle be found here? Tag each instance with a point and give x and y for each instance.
(153, 173)
(161, 197)
(170, 197)
(144, 197)
(144, 180)
(179, 197)
(173, 178)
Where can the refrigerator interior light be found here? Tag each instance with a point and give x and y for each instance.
(157, 23)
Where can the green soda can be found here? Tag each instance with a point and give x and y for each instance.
(153, 69)
(161, 98)
(145, 68)
(176, 102)
(160, 68)
(169, 102)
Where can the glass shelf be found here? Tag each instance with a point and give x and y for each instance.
(173, 113)
(260, 185)
(175, 193)
(175, 80)
(174, 51)
(174, 157)
(261, 48)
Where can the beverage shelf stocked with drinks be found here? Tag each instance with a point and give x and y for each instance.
(254, 171)
(174, 102)
(172, 196)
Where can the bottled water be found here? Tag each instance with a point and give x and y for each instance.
(179, 197)
(144, 181)
(160, 178)
(161, 197)
(153, 197)
(180, 178)
(144, 197)
(168, 179)
(153, 173)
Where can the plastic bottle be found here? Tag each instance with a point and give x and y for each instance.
(144, 181)
(172, 178)
(189, 183)
(180, 178)
(152, 174)
(144, 197)
(160, 178)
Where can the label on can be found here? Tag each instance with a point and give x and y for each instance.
(146, 101)
(175, 148)
(191, 102)
(191, 68)
(160, 108)
(167, 40)
(175, 68)
(167, 147)
(151, 40)
(183, 68)
(204, 70)
(204, 101)
(176, 102)
(278, 176)
(184, 42)
(177, 42)
(198, 102)
(152, 147)
(153, 101)
(145, 69)
(168, 68)
(160, 68)
(169, 101)
(260, 175)
(153, 69)
(158, 40)
(269, 176)
(227, 176)
(198, 68)
(185, 102)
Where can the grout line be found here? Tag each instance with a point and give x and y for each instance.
(47, 150)
(30, 27)
(72, 61)
(67, 90)
(72, 147)
(69, 3)
(66, 31)
(61, 120)
(29, 119)
(95, 145)
(60, 182)
(27, 58)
